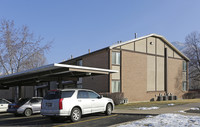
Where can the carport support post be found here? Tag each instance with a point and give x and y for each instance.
(49, 85)
(60, 86)
(17, 92)
(20, 92)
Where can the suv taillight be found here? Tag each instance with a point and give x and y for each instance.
(60, 103)
(16, 106)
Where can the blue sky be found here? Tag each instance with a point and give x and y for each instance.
(79, 25)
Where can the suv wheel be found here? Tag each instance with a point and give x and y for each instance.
(28, 112)
(76, 114)
(108, 109)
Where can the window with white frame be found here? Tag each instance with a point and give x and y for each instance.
(116, 86)
(116, 58)
(184, 66)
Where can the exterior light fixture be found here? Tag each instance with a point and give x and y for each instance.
(151, 43)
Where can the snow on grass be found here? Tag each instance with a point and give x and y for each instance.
(166, 120)
(171, 104)
(147, 108)
(181, 111)
(194, 108)
(152, 108)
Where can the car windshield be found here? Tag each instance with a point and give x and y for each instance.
(22, 101)
(58, 94)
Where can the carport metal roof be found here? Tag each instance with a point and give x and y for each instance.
(51, 72)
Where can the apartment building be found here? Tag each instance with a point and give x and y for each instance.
(148, 66)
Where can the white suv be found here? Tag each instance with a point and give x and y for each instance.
(74, 103)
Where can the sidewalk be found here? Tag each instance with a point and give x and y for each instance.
(172, 109)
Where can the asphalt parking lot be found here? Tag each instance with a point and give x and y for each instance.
(94, 120)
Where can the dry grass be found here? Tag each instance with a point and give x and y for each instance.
(157, 103)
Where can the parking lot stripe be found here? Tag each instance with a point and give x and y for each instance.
(84, 121)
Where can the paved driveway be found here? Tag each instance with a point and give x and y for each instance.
(94, 120)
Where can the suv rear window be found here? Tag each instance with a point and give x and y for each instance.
(66, 94)
(58, 94)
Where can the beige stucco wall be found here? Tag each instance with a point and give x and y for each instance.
(175, 77)
(136, 76)
(99, 60)
(159, 47)
(134, 79)
(151, 73)
(151, 45)
(170, 52)
(129, 46)
(160, 73)
(176, 55)
(116, 75)
(140, 45)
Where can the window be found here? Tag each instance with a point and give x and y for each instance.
(80, 80)
(83, 94)
(184, 66)
(2, 102)
(79, 62)
(116, 58)
(184, 86)
(34, 101)
(66, 94)
(93, 95)
(22, 101)
(115, 86)
(52, 95)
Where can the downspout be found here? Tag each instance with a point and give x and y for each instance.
(166, 72)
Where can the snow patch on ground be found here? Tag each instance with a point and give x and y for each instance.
(147, 108)
(181, 111)
(167, 120)
(149, 116)
(152, 108)
(171, 104)
(194, 108)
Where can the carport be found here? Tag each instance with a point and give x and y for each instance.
(48, 73)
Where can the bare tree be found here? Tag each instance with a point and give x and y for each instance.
(192, 51)
(19, 49)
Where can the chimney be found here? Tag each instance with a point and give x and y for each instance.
(135, 35)
(71, 57)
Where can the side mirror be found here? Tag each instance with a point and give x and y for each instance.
(100, 96)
